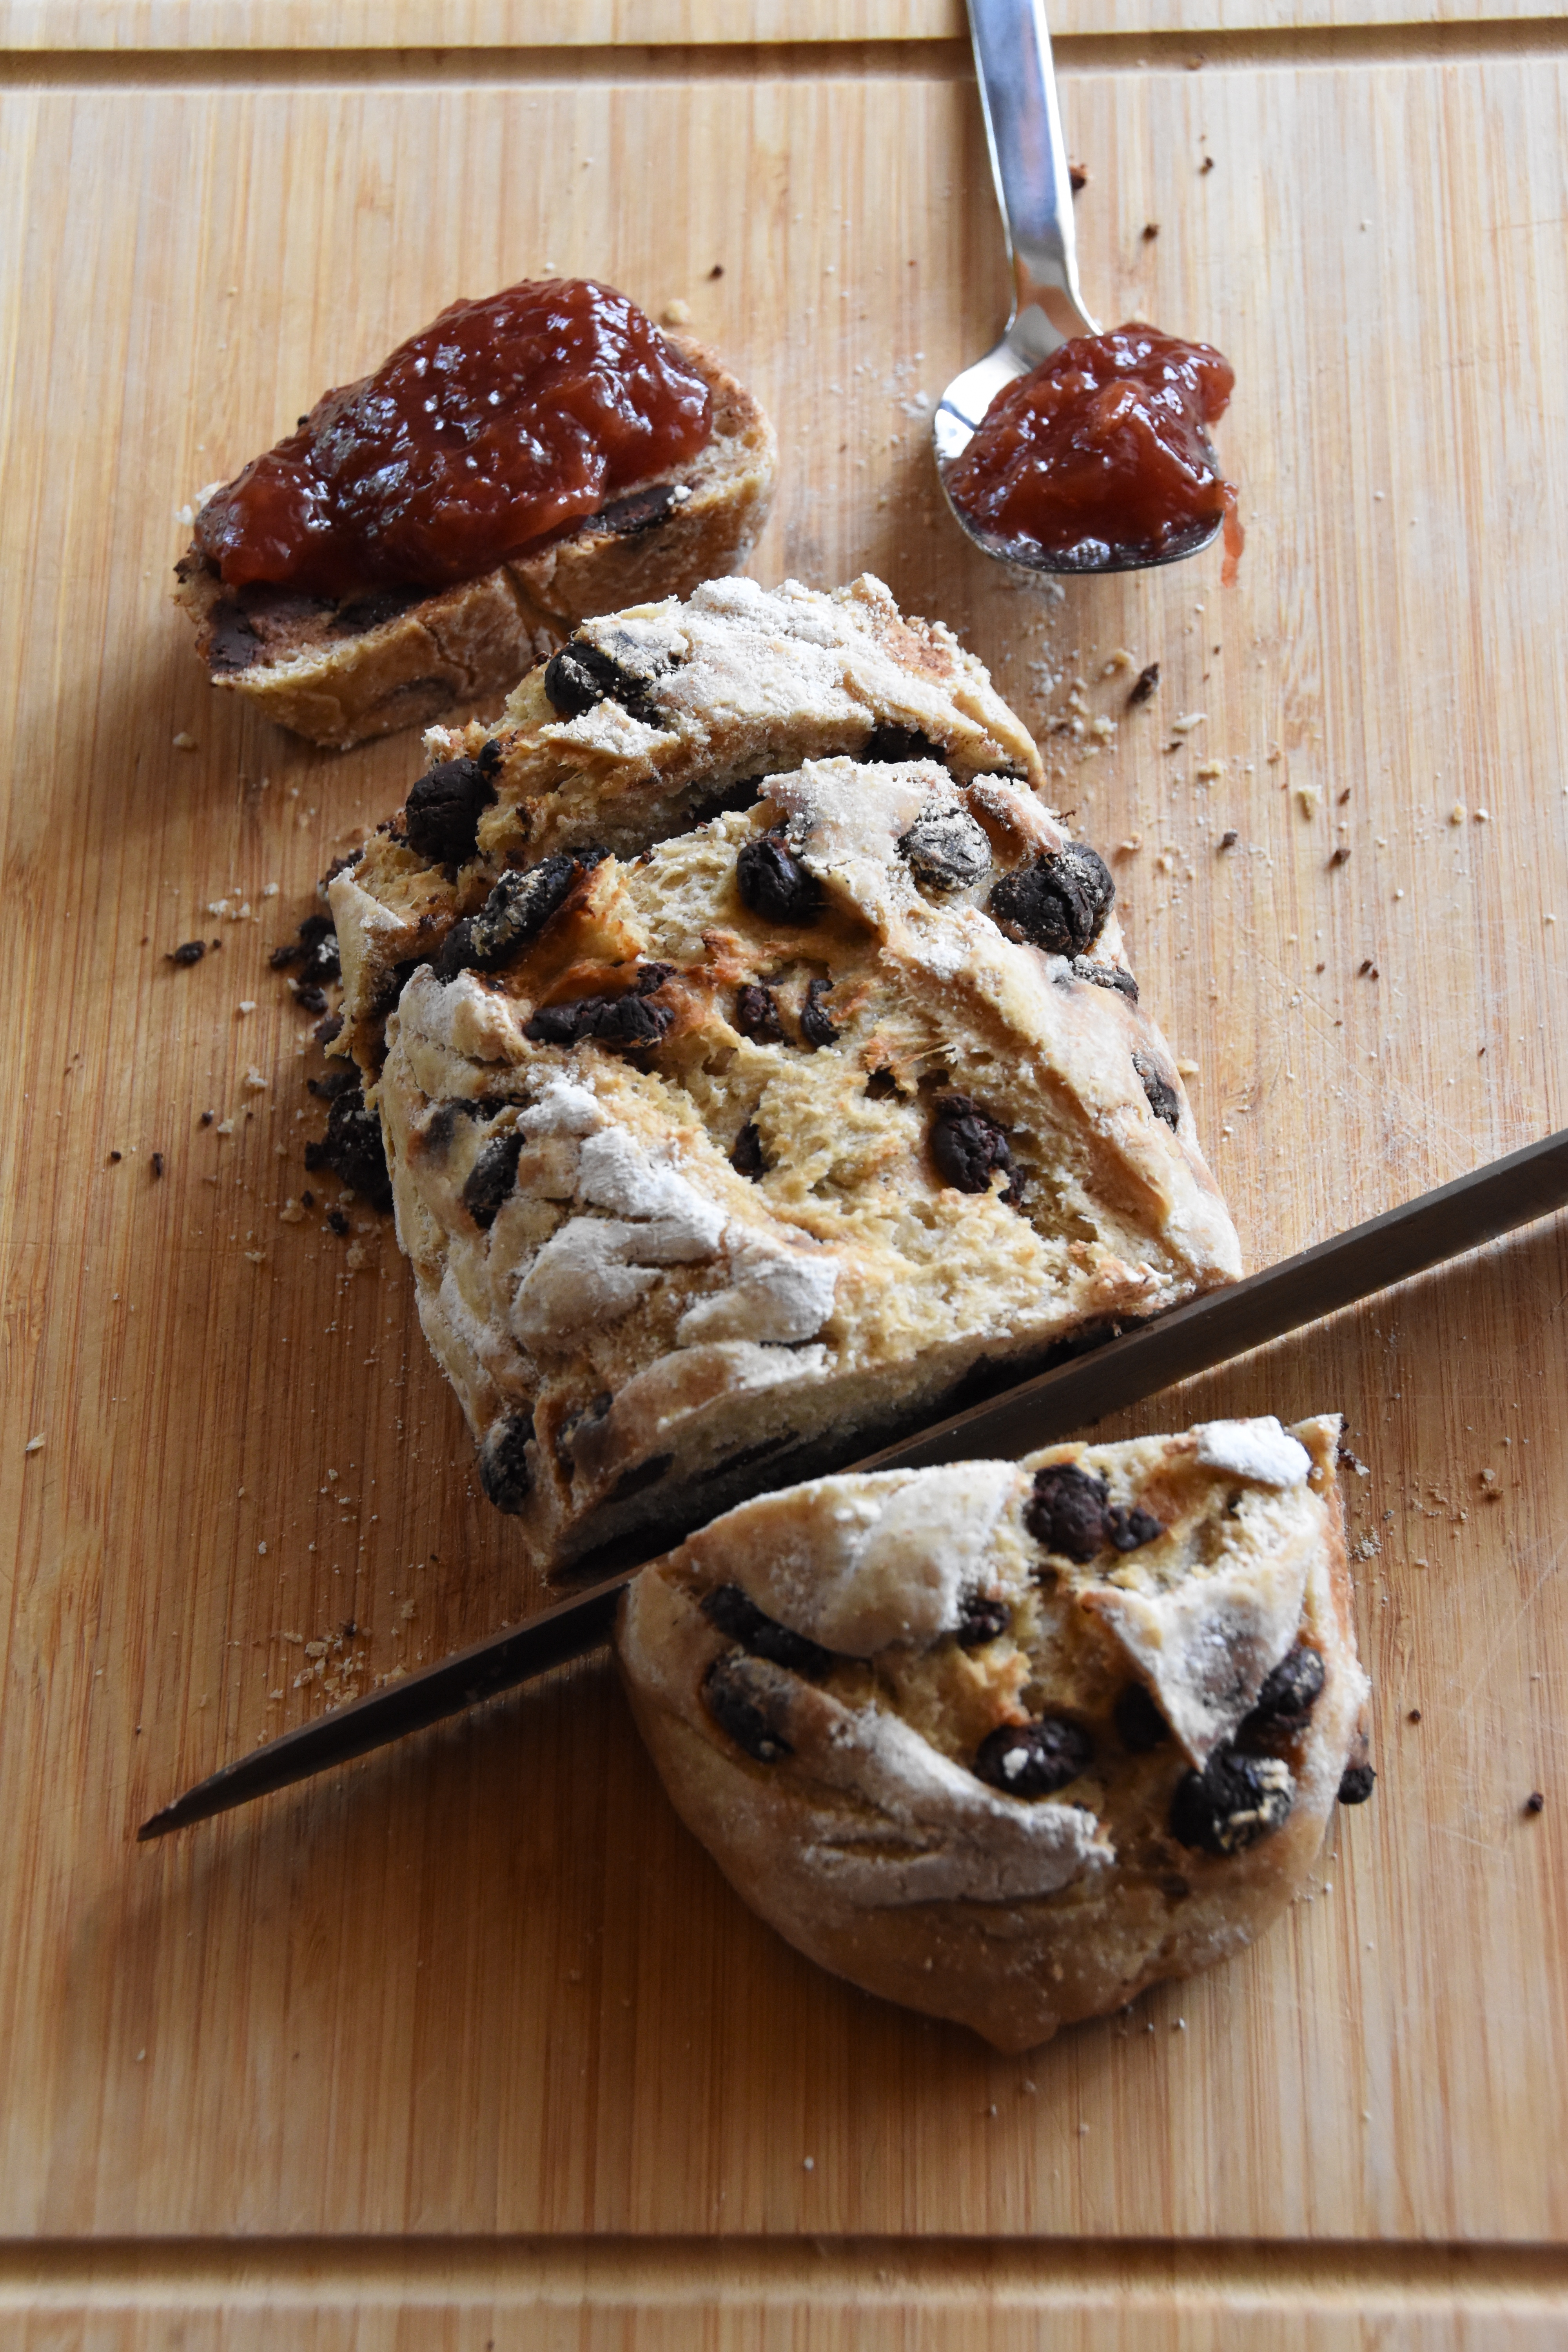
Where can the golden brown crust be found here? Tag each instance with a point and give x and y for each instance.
(473, 642)
(1042, 1921)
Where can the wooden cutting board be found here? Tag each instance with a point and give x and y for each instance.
(469, 2045)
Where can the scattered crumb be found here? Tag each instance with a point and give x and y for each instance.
(676, 313)
(1229, 837)
(1193, 718)
(253, 1077)
(156, 1163)
(1187, 1069)
(1340, 855)
(224, 1126)
(248, 1005)
(1308, 798)
(1457, 814)
(34, 1445)
(183, 742)
(291, 1214)
(1143, 685)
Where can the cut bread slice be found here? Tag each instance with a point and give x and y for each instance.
(341, 671)
(648, 721)
(731, 1154)
(1008, 1742)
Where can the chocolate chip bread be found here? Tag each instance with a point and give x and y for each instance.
(646, 722)
(340, 670)
(1008, 1742)
(715, 1160)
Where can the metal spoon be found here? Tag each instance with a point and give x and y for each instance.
(1029, 165)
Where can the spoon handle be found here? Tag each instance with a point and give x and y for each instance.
(1029, 163)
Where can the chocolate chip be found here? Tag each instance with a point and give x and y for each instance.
(628, 517)
(816, 1026)
(1289, 1692)
(325, 1030)
(757, 1016)
(773, 883)
(748, 1699)
(1130, 1529)
(730, 1610)
(1034, 1760)
(946, 850)
(746, 1159)
(307, 1198)
(115, 1158)
(1534, 1803)
(315, 947)
(1066, 1511)
(442, 1124)
(514, 914)
(1147, 680)
(1164, 1099)
(191, 951)
(1105, 975)
(491, 1178)
(362, 612)
(580, 676)
(1139, 1724)
(504, 1472)
(208, 1116)
(967, 1146)
(441, 815)
(352, 1146)
(981, 1620)
(1356, 1784)
(233, 643)
(336, 1219)
(310, 998)
(887, 744)
(629, 1021)
(1232, 1802)
(1059, 903)
(157, 1163)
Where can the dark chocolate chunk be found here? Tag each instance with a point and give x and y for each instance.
(1034, 1760)
(504, 1472)
(946, 849)
(774, 884)
(1229, 837)
(309, 997)
(115, 1158)
(1130, 1529)
(1059, 903)
(514, 914)
(1356, 1785)
(314, 948)
(233, 643)
(336, 1219)
(191, 951)
(640, 1474)
(888, 744)
(491, 1178)
(307, 1198)
(1066, 1511)
(338, 1080)
(631, 1021)
(1289, 1692)
(442, 1124)
(757, 1016)
(1139, 1724)
(326, 1030)
(1147, 680)
(981, 1620)
(441, 815)
(746, 1159)
(1232, 1802)
(580, 676)
(1105, 975)
(352, 1146)
(362, 612)
(1164, 1099)
(1534, 1803)
(816, 1026)
(157, 1163)
(730, 1610)
(627, 518)
(748, 1699)
(967, 1146)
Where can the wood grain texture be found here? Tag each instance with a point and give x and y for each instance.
(486, 1985)
(304, 25)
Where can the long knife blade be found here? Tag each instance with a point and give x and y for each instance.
(1386, 1249)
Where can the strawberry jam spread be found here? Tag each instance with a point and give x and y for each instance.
(1099, 456)
(502, 423)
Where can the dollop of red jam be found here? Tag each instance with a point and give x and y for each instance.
(506, 421)
(1101, 455)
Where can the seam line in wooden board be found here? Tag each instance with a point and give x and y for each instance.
(1287, 50)
(1065, 2274)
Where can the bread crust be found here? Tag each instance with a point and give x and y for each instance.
(678, 1267)
(473, 642)
(834, 1850)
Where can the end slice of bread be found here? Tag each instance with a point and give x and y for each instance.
(342, 671)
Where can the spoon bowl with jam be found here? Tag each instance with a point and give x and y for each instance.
(1067, 449)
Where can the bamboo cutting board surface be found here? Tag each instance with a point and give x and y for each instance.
(468, 2045)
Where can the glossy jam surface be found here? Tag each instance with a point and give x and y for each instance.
(506, 420)
(1099, 455)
